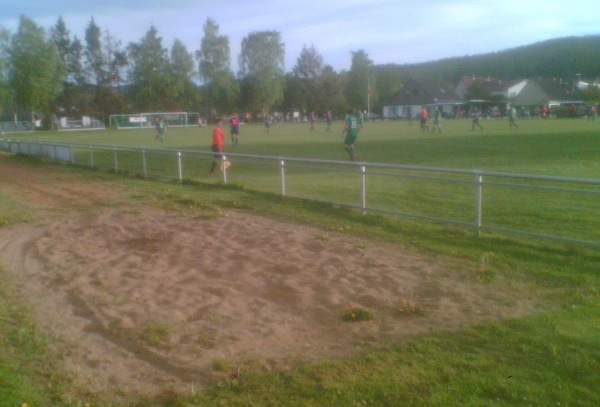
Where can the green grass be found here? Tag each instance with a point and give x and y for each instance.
(28, 374)
(567, 147)
(549, 358)
(541, 360)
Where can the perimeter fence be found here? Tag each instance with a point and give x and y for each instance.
(565, 209)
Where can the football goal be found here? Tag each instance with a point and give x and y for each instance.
(147, 120)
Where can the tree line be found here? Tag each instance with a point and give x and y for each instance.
(51, 73)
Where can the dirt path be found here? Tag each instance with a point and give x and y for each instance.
(145, 300)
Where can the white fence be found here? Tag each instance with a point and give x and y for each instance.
(530, 205)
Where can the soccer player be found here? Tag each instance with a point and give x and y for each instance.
(312, 119)
(351, 132)
(328, 118)
(217, 146)
(235, 129)
(476, 117)
(423, 121)
(160, 128)
(360, 120)
(436, 120)
(512, 115)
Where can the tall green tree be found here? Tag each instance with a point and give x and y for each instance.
(307, 71)
(331, 91)
(96, 65)
(72, 100)
(109, 96)
(187, 95)
(36, 72)
(388, 83)
(361, 81)
(261, 65)
(221, 90)
(214, 58)
(293, 98)
(105, 60)
(4, 56)
(151, 83)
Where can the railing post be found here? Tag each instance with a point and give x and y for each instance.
(363, 188)
(223, 159)
(144, 167)
(116, 159)
(179, 167)
(478, 202)
(92, 157)
(282, 172)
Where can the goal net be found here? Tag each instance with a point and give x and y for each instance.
(146, 120)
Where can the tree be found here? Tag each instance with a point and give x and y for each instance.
(261, 64)
(388, 83)
(360, 81)
(72, 99)
(307, 71)
(36, 71)
(151, 86)
(108, 93)
(4, 55)
(95, 63)
(309, 64)
(105, 60)
(592, 94)
(214, 55)
(331, 91)
(187, 96)
(221, 89)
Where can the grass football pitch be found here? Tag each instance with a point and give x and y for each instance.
(548, 358)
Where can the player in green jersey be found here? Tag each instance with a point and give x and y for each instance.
(351, 133)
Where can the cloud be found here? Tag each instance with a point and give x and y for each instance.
(387, 30)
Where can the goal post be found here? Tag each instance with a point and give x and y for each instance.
(146, 120)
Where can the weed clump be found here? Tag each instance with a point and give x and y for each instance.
(357, 315)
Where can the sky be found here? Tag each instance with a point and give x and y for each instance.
(389, 31)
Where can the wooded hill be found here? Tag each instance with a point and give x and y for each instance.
(557, 58)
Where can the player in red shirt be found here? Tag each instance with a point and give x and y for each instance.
(217, 146)
(423, 122)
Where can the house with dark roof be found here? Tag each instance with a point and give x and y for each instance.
(548, 92)
(416, 93)
(506, 89)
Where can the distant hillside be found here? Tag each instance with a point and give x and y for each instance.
(557, 58)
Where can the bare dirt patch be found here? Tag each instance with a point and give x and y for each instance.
(145, 300)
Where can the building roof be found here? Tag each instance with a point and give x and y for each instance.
(423, 92)
(543, 91)
(490, 83)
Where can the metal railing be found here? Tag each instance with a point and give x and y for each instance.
(523, 204)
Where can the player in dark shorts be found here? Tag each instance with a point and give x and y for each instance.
(234, 123)
(351, 132)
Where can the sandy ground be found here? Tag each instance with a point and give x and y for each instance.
(144, 300)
